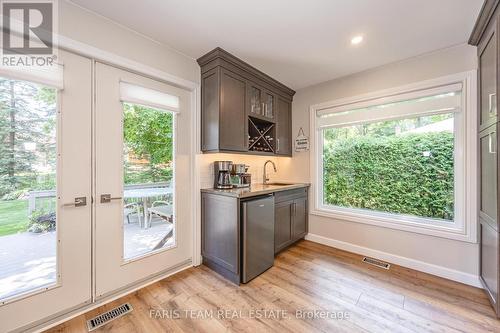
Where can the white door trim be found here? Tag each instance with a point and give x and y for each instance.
(97, 54)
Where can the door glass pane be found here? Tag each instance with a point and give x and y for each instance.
(148, 164)
(28, 158)
(269, 107)
(255, 101)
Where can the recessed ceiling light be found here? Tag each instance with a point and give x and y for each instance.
(356, 40)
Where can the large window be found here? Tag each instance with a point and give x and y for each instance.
(395, 160)
(401, 166)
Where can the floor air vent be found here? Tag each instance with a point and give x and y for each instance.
(106, 317)
(376, 262)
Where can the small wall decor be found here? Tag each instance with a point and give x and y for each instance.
(302, 141)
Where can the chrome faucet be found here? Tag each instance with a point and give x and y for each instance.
(264, 176)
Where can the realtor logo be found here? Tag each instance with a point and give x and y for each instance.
(28, 32)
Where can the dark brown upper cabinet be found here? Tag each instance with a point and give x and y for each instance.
(243, 110)
(283, 127)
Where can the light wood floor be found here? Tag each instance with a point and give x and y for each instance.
(307, 276)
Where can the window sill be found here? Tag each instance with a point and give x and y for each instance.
(392, 221)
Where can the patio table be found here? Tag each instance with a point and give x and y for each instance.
(145, 194)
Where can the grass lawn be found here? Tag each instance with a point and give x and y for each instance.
(13, 216)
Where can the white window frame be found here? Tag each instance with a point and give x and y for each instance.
(464, 227)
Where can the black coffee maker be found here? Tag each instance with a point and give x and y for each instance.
(222, 174)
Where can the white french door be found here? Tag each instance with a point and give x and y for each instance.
(95, 188)
(142, 179)
(45, 266)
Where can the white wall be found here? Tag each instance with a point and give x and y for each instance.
(86, 27)
(450, 258)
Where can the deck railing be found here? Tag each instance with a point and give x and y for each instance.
(46, 198)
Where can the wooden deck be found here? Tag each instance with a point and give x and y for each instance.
(307, 276)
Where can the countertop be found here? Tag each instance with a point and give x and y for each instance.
(255, 189)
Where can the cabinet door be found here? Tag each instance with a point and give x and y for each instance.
(220, 231)
(282, 225)
(210, 110)
(269, 105)
(488, 80)
(232, 112)
(489, 260)
(255, 99)
(299, 218)
(284, 127)
(488, 176)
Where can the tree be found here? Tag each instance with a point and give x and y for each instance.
(148, 135)
(391, 174)
(27, 117)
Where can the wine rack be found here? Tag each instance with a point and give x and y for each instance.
(261, 135)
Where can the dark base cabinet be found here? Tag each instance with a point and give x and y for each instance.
(290, 218)
(489, 261)
(226, 220)
(220, 243)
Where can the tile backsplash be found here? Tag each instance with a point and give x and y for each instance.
(256, 163)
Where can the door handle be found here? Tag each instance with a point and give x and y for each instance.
(106, 198)
(79, 202)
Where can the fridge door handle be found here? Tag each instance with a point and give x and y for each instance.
(244, 227)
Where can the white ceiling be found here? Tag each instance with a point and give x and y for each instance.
(299, 42)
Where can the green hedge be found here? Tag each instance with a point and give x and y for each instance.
(391, 174)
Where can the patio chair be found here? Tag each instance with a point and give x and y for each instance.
(131, 208)
(162, 209)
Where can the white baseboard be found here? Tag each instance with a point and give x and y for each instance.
(418, 265)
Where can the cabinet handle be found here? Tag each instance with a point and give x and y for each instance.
(492, 109)
(277, 144)
(490, 144)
